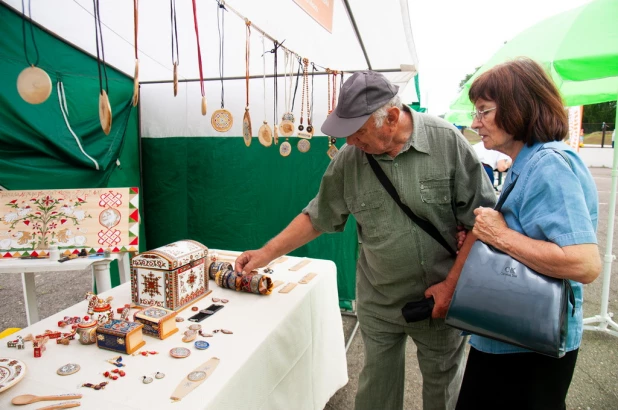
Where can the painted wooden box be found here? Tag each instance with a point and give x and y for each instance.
(158, 322)
(120, 336)
(171, 276)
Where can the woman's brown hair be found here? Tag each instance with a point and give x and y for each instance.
(529, 105)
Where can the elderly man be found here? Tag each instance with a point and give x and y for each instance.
(435, 173)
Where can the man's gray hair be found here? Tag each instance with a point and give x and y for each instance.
(380, 114)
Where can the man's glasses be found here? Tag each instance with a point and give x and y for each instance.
(480, 114)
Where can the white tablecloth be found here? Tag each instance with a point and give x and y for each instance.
(287, 352)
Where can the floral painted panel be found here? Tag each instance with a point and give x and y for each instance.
(72, 219)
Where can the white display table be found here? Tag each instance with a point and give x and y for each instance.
(287, 352)
(28, 267)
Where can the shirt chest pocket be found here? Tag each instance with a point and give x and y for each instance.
(368, 209)
(436, 191)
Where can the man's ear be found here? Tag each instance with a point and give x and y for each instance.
(392, 116)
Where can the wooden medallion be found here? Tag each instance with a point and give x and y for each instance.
(286, 127)
(285, 149)
(203, 105)
(34, 85)
(246, 127)
(265, 135)
(105, 112)
(303, 145)
(136, 84)
(304, 134)
(332, 151)
(222, 120)
(175, 79)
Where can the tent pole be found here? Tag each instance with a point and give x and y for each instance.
(259, 77)
(348, 9)
(604, 319)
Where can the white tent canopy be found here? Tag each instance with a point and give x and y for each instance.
(382, 28)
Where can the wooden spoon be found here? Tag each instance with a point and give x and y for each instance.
(31, 398)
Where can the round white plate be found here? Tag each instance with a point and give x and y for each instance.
(11, 372)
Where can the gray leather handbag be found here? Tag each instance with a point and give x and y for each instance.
(501, 298)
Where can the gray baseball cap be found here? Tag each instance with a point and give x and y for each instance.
(361, 95)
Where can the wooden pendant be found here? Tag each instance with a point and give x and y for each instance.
(285, 149)
(303, 145)
(34, 85)
(332, 151)
(203, 105)
(246, 127)
(265, 135)
(194, 379)
(276, 134)
(136, 84)
(305, 135)
(222, 120)
(175, 79)
(286, 127)
(105, 112)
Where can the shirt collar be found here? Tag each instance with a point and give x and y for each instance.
(522, 159)
(417, 140)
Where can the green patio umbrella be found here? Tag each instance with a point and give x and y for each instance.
(579, 48)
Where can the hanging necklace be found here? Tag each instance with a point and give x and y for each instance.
(302, 132)
(286, 148)
(199, 59)
(332, 100)
(135, 77)
(222, 119)
(105, 109)
(246, 119)
(175, 55)
(265, 134)
(33, 83)
(286, 126)
(276, 94)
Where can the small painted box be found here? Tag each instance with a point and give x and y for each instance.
(171, 276)
(158, 322)
(120, 336)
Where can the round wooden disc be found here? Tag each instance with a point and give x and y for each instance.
(286, 127)
(285, 149)
(222, 120)
(68, 369)
(303, 145)
(204, 106)
(246, 128)
(136, 84)
(265, 135)
(34, 85)
(175, 79)
(105, 112)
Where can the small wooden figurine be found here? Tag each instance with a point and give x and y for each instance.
(39, 345)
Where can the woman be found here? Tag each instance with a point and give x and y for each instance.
(548, 222)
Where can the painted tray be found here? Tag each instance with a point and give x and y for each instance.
(11, 372)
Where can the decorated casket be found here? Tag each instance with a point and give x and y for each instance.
(171, 276)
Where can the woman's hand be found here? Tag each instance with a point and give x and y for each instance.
(489, 225)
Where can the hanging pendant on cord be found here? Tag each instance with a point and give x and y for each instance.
(246, 119)
(286, 126)
(221, 120)
(105, 109)
(332, 100)
(33, 83)
(302, 132)
(265, 134)
(199, 59)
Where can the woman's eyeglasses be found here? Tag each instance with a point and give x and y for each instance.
(480, 114)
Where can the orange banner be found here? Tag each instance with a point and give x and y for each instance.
(320, 10)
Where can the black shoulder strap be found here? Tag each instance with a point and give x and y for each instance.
(425, 225)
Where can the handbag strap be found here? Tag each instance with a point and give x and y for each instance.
(423, 224)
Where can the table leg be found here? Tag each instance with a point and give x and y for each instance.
(32, 310)
(102, 276)
(124, 268)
